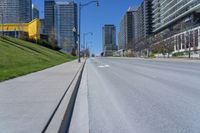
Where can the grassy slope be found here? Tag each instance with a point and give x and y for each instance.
(19, 57)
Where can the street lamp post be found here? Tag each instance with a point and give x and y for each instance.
(79, 30)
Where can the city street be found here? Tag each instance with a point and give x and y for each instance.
(141, 96)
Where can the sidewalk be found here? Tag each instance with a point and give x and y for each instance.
(26, 103)
(161, 59)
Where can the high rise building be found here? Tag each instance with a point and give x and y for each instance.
(49, 6)
(65, 22)
(136, 24)
(42, 26)
(175, 14)
(109, 39)
(128, 30)
(177, 24)
(25, 8)
(145, 19)
(16, 11)
(35, 12)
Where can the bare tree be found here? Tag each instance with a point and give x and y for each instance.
(169, 47)
(52, 39)
(67, 45)
(20, 29)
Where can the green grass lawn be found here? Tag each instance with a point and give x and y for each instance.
(18, 57)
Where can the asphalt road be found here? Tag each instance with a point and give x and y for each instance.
(143, 96)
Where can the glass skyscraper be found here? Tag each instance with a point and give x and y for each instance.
(109, 39)
(16, 11)
(35, 12)
(65, 22)
(128, 30)
(49, 6)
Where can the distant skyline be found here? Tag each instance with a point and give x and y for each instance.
(93, 18)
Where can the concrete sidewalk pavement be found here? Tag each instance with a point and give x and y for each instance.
(27, 102)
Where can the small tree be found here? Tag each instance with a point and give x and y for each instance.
(21, 32)
(68, 46)
(73, 52)
(52, 39)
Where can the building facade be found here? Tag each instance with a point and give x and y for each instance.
(49, 11)
(30, 30)
(42, 26)
(65, 22)
(25, 9)
(175, 14)
(109, 39)
(35, 12)
(15, 11)
(145, 19)
(128, 30)
(136, 24)
(178, 23)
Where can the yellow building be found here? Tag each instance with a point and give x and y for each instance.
(32, 29)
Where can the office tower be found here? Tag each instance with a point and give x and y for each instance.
(49, 6)
(65, 22)
(145, 19)
(15, 11)
(109, 39)
(128, 30)
(42, 26)
(25, 8)
(35, 12)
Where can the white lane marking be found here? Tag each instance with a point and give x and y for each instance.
(104, 66)
(107, 65)
(101, 66)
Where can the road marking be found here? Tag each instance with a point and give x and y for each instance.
(101, 66)
(104, 66)
(107, 66)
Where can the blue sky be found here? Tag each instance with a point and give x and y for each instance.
(93, 18)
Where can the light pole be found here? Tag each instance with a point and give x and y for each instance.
(79, 29)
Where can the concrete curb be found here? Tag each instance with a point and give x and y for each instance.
(60, 120)
(80, 117)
